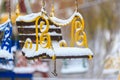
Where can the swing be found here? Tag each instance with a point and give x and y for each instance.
(40, 36)
(6, 53)
(44, 40)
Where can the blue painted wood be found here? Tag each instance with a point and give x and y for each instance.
(12, 75)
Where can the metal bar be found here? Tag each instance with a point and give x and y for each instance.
(60, 57)
(76, 3)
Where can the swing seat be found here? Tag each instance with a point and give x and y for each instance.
(67, 52)
(27, 32)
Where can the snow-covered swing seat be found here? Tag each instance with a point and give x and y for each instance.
(40, 37)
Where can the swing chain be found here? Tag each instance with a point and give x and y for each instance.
(9, 9)
(43, 10)
(54, 58)
(43, 4)
(76, 3)
(53, 9)
(54, 72)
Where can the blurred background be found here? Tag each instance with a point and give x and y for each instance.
(102, 26)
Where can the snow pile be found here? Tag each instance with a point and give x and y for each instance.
(72, 51)
(56, 20)
(31, 17)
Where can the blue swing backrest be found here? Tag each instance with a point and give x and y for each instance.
(6, 42)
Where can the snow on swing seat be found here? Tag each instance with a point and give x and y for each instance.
(26, 29)
(60, 52)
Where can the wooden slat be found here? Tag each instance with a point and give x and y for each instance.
(32, 30)
(44, 56)
(21, 23)
(32, 37)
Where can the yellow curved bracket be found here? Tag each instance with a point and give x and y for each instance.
(45, 39)
(80, 38)
(63, 43)
(54, 57)
(17, 10)
(42, 29)
(28, 43)
(72, 33)
(90, 57)
(36, 29)
(78, 35)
